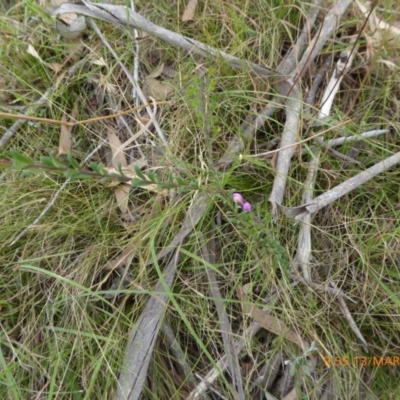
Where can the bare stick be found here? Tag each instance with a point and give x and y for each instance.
(350, 320)
(225, 326)
(304, 241)
(287, 149)
(142, 338)
(341, 190)
(366, 135)
(178, 354)
(341, 140)
(330, 23)
(292, 57)
(293, 107)
(322, 288)
(120, 15)
(135, 94)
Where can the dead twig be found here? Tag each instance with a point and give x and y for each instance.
(292, 58)
(142, 338)
(25, 117)
(225, 326)
(178, 354)
(120, 15)
(293, 106)
(341, 190)
(304, 241)
(346, 313)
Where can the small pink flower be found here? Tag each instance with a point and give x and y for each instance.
(238, 199)
(246, 207)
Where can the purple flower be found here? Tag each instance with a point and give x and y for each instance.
(246, 207)
(238, 199)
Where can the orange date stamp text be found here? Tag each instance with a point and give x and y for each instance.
(362, 361)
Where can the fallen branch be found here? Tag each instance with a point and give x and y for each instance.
(304, 240)
(142, 338)
(341, 190)
(293, 106)
(134, 83)
(225, 326)
(121, 15)
(179, 354)
(350, 320)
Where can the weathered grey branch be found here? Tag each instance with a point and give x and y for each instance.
(179, 354)
(350, 320)
(304, 241)
(329, 25)
(341, 190)
(293, 105)
(134, 83)
(121, 15)
(142, 339)
(225, 326)
(292, 58)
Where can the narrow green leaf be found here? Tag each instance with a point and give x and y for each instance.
(183, 189)
(97, 168)
(19, 160)
(151, 176)
(139, 172)
(119, 168)
(180, 181)
(72, 161)
(166, 185)
(73, 175)
(138, 182)
(105, 180)
(51, 162)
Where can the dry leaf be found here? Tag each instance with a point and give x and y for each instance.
(99, 61)
(69, 25)
(65, 143)
(56, 67)
(157, 72)
(121, 193)
(158, 90)
(190, 9)
(271, 323)
(115, 145)
(32, 51)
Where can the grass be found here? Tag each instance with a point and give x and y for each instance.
(65, 312)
